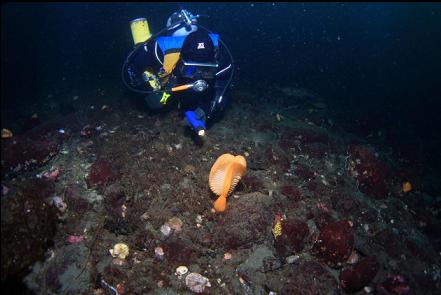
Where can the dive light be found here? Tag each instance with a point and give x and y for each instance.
(195, 123)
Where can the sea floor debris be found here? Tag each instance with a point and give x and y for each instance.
(320, 210)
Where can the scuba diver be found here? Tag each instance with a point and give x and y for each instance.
(184, 62)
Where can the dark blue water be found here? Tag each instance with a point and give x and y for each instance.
(377, 57)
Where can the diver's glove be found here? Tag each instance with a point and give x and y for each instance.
(196, 120)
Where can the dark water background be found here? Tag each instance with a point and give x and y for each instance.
(374, 58)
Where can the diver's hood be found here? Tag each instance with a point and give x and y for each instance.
(198, 48)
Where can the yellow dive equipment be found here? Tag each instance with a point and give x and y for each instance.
(152, 79)
(140, 30)
(165, 97)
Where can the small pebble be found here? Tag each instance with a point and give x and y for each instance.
(196, 282)
(59, 203)
(165, 230)
(175, 223)
(5, 190)
(368, 289)
(291, 259)
(181, 270)
(159, 252)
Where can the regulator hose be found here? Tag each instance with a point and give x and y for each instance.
(126, 62)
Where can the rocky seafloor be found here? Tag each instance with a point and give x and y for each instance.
(327, 205)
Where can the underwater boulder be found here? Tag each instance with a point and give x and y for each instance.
(246, 221)
(358, 275)
(335, 243)
(179, 251)
(393, 285)
(373, 175)
(292, 192)
(251, 183)
(38, 189)
(292, 238)
(28, 227)
(306, 277)
(75, 198)
(101, 174)
(23, 153)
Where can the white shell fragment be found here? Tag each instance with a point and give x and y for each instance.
(165, 230)
(175, 223)
(120, 250)
(291, 259)
(59, 203)
(196, 282)
(159, 252)
(181, 270)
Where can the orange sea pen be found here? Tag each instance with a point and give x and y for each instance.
(224, 176)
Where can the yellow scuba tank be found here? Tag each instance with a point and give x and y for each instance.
(140, 30)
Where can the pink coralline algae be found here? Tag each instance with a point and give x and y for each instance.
(394, 285)
(75, 239)
(52, 175)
